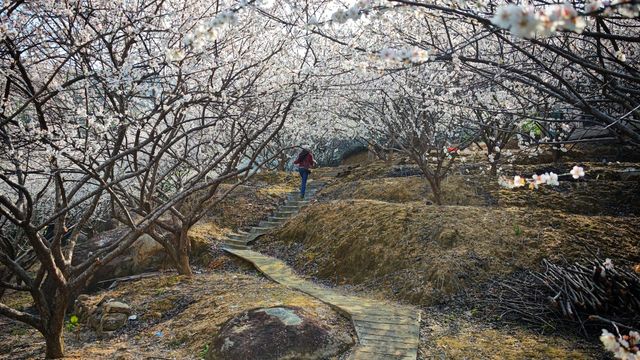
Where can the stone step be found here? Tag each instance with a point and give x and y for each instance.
(260, 229)
(236, 236)
(382, 310)
(395, 327)
(296, 195)
(288, 207)
(386, 329)
(386, 344)
(383, 338)
(285, 213)
(252, 237)
(280, 219)
(298, 203)
(296, 199)
(272, 224)
(398, 336)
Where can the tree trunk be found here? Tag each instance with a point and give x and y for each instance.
(494, 169)
(183, 252)
(55, 343)
(435, 188)
(54, 326)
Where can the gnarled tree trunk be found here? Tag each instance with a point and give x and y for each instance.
(183, 252)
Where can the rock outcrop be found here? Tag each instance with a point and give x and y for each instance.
(144, 255)
(103, 317)
(277, 333)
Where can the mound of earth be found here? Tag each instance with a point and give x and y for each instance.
(606, 190)
(423, 253)
(610, 188)
(456, 190)
(277, 333)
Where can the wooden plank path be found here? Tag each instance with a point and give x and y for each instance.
(384, 331)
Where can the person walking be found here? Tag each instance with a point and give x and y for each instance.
(305, 162)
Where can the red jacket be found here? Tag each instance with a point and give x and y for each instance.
(305, 163)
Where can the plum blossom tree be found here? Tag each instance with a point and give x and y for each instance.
(152, 109)
(575, 54)
(411, 115)
(142, 108)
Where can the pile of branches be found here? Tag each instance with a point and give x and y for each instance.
(568, 295)
(596, 288)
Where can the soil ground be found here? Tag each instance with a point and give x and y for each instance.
(177, 317)
(375, 232)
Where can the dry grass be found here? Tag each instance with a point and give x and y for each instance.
(205, 230)
(362, 157)
(471, 342)
(277, 190)
(274, 177)
(423, 254)
(386, 189)
(455, 190)
(187, 311)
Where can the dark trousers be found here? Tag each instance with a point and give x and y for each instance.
(304, 174)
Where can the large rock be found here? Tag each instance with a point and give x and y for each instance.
(277, 333)
(102, 316)
(145, 254)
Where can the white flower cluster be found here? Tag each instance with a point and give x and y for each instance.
(413, 55)
(625, 347)
(206, 32)
(621, 55)
(353, 13)
(174, 55)
(549, 178)
(626, 8)
(527, 22)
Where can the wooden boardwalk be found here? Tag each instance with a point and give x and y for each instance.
(384, 331)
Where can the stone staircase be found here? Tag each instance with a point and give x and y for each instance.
(241, 240)
(384, 331)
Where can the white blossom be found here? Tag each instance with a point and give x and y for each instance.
(577, 172)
